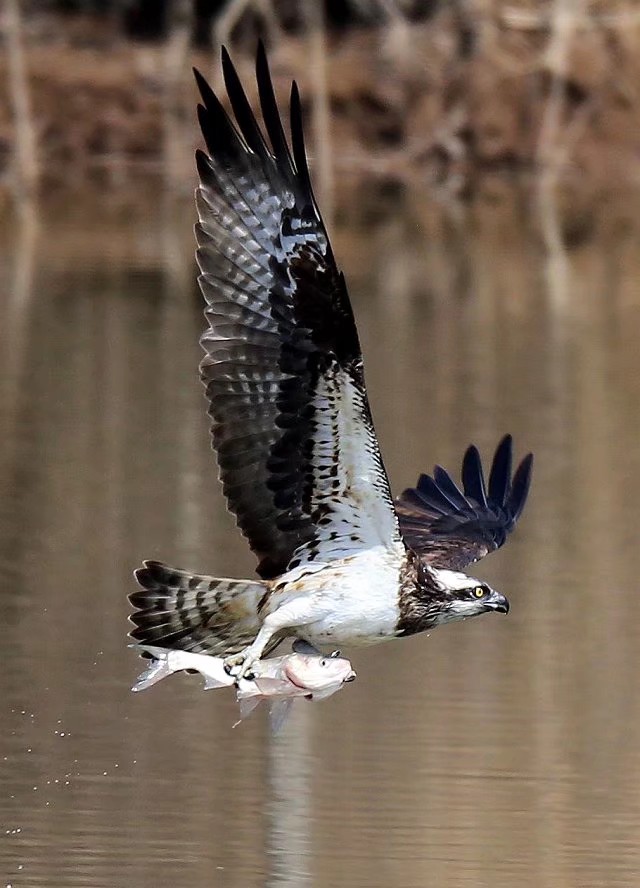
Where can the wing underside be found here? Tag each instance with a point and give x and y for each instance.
(297, 452)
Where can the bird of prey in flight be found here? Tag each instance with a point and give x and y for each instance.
(339, 561)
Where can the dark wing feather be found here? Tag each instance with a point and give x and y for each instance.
(298, 457)
(453, 529)
(473, 476)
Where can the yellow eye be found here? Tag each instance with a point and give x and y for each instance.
(479, 592)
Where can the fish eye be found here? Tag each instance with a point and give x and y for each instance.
(323, 662)
(480, 591)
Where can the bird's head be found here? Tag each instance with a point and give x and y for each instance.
(430, 596)
(459, 596)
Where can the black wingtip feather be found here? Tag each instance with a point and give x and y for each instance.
(472, 524)
(202, 164)
(520, 487)
(473, 476)
(207, 94)
(421, 499)
(226, 139)
(242, 108)
(297, 140)
(433, 496)
(448, 487)
(500, 475)
(221, 137)
(271, 115)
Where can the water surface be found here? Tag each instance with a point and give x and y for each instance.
(498, 752)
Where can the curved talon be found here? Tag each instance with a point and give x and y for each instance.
(233, 665)
(244, 670)
(239, 666)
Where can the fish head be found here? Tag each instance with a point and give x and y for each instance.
(316, 673)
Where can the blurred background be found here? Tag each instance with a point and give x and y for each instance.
(477, 163)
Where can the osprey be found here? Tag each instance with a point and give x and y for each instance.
(339, 561)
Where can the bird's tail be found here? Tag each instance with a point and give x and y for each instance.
(182, 611)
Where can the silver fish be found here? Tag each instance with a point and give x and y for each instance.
(303, 673)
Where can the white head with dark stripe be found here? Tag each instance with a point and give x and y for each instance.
(431, 596)
(460, 596)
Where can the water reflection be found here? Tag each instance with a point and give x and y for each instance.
(498, 752)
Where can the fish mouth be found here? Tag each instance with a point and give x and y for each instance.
(352, 676)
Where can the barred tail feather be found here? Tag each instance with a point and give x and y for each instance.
(182, 611)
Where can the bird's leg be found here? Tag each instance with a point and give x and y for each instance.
(298, 612)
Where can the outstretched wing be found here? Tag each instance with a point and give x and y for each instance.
(298, 456)
(452, 528)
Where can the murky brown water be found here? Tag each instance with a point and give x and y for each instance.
(499, 752)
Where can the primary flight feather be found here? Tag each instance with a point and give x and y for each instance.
(339, 562)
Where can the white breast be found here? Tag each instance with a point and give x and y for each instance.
(353, 601)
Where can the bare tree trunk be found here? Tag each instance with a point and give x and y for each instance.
(176, 147)
(224, 23)
(563, 23)
(551, 151)
(314, 20)
(25, 159)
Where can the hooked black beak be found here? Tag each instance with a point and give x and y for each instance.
(499, 603)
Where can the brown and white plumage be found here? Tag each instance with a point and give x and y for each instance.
(298, 457)
(282, 365)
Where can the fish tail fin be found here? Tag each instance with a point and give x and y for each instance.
(158, 670)
(179, 610)
(163, 663)
(160, 666)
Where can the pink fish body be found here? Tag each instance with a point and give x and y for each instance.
(302, 673)
(322, 676)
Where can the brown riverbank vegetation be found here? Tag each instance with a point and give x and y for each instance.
(474, 86)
